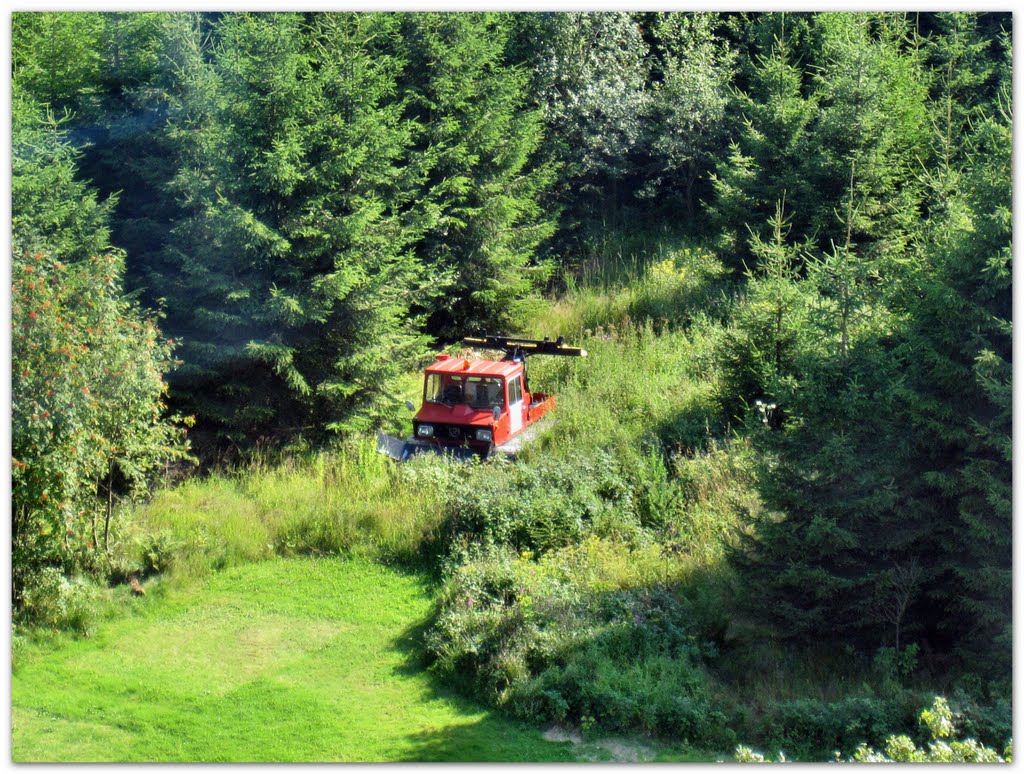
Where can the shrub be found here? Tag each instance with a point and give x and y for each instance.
(87, 408)
(595, 634)
(52, 600)
(811, 728)
(942, 747)
(552, 502)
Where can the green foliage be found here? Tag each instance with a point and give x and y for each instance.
(687, 122)
(88, 394)
(771, 328)
(957, 56)
(479, 138)
(633, 386)
(810, 729)
(591, 78)
(587, 634)
(50, 207)
(56, 56)
(290, 277)
(552, 502)
(311, 194)
(87, 407)
(870, 135)
(956, 392)
(768, 149)
(51, 600)
(879, 408)
(668, 290)
(942, 747)
(799, 722)
(841, 148)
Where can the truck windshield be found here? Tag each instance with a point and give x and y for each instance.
(476, 391)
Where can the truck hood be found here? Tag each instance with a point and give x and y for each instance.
(459, 414)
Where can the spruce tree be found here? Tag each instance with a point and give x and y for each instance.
(51, 206)
(479, 138)
(291, 277)
(870, 136)
(956, 393)
(888, 482)
(57, 56)
(766, 155)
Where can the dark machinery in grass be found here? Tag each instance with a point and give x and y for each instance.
(477, 407)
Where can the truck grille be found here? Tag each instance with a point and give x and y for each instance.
(453, 433)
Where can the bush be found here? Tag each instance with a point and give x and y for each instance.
(942, 747)
(87, 408)
(990, 723)
(595, 634)
(553, 502)
(52, 600)
(810, 728)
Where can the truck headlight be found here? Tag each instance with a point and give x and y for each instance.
(482, 434)
(425, 431)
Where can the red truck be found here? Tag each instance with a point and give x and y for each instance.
(476, 407)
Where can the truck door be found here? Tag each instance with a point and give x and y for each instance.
(515, 405)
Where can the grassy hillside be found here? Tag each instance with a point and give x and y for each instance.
(583, 587)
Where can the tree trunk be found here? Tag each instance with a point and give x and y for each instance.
(110, 507)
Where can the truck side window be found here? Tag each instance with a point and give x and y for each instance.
(515, 390)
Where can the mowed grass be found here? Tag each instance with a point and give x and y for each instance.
(281, 660)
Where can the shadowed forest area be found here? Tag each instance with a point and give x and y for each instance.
(772, 509)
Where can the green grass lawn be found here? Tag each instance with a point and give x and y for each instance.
(282, 660)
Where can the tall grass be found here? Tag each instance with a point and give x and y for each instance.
(349, 501)
(670, 289)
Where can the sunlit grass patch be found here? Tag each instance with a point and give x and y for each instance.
(286, 660)
(349, 501)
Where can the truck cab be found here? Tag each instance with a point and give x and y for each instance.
(474, 407)
(480, 404)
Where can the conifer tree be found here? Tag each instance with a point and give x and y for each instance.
(57, 56)
(772, 330)
(479, 138)
(888, 483)
(870, 135)
(291, 277)
(765, 161)
(50, 206)
(956, 394)
(963, 69)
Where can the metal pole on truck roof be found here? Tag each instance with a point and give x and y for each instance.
(513, 346)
